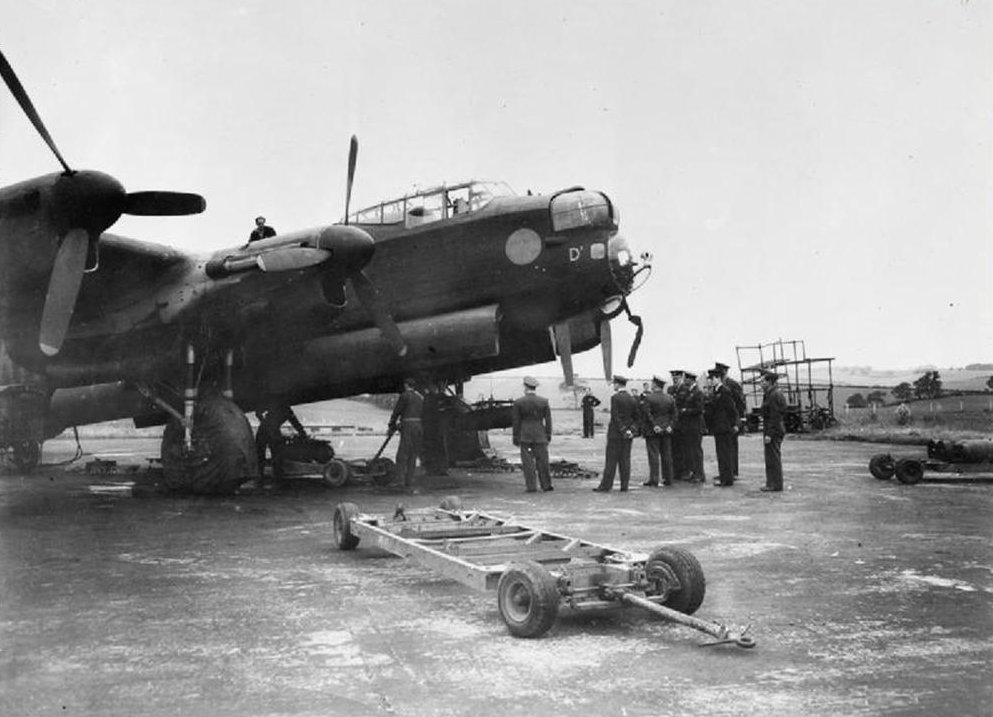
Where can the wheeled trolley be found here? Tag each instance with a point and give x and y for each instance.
(315, 458)
(534, 572)
(954, 461)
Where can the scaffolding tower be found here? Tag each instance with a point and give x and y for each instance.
(810, 401)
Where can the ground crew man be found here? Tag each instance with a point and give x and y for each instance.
(269, 434)
(661, 415)
(689, 401)
(773, 431)
(261, 230)
(723, 423)
(740, 405)
(532, 433)
(620, 432)
(406, 418)
(589, 402)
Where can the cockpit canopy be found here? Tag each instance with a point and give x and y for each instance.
(433, 204)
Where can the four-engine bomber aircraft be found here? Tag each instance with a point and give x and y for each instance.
(444, 284)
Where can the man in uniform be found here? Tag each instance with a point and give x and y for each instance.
(620, 432)
(661, 414)
(723, 423)
(589, 402)
(740, 405)
(532, 433)
(406, 418)
(261, 230)
(773, 430)
(678, 461)
(689, 401)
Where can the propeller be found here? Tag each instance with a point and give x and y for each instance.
(636, 320)
(606, 349)
(87, 203)
(353, 153)
(63, 288)
(563, 346)
(371, 299)
(363, 286)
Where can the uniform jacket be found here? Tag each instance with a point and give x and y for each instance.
(409, 405)
(263, 232)
(590, 402)
(738, 395)
(689, 401)
(773, 409)
(623, 415)
(532, 419)
(661, 411)
(723, 416)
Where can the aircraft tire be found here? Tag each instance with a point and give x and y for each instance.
(26, 455)
(223, 455)
(687, 569)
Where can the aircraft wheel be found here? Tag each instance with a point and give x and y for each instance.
(222, 456)
(336, 473)
(528, 598)
(665, 563)
(882, 466)
(382, 471)
(909, 471)
(344, 538)
(26, 455)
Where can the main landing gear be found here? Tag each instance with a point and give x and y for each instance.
(209, 448)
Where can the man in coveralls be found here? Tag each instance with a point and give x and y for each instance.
(406, 418)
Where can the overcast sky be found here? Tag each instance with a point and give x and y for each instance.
(801, 170)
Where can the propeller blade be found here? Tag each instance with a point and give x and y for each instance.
(563, 346)
(353, 153)
(291, 258)
(372, 301)
(163, 204)
(63, 288)
(607, 349)
(21, 95)
(636, 320)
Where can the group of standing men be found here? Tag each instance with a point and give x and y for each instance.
(673, 422)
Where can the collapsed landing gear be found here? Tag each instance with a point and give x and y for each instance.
(222, 450)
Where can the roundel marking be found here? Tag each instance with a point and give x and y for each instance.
(523, 246)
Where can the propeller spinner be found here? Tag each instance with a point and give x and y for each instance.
(86, 204)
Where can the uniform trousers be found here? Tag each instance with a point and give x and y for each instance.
(534, 460)
(693, 454)
(724, 446)
(618, 457)
(659, 448)
(774, 463)
(411, 438)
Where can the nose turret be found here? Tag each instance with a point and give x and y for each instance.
(628, 271)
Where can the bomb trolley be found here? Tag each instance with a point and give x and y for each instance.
(300, 457)
(534, 572)
(953, 461)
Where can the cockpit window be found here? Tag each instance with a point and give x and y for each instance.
(430, 206)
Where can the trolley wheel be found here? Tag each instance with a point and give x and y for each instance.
(909, 471)
(882, 466)
(382, 471)
(336, 473)
(684, 566)
(451, 502)
(344, 514)
(528, 598)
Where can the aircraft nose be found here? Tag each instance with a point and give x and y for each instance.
(351, 248)
(628, 271)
